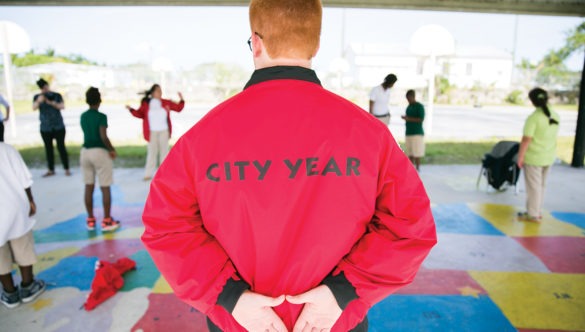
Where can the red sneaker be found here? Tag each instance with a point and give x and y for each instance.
(90, 223)
(110, 225)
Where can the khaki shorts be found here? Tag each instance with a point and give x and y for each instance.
(96, 161)
(415, 146)
(20, 251)
(385, 119)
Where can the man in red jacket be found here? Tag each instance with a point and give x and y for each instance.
(287, 208)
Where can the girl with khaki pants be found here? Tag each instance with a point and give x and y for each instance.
(156, 125)
(537, 153)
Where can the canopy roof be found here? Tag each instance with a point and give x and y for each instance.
(535, 7)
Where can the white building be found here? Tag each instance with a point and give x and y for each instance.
(468, 67)
(370, 63)
(72, 74)
(483, 66)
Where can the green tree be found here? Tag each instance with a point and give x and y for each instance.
(552, 70)
(443, 85)
(526, 72)
(515, 97)
(31, 58)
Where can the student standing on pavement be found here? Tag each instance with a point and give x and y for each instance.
(415, 134)
(17, 207)
(3, 118)
(156, 125)
(50, 104)
(268, 220)
(379, 98)
(96, 159)
(537, 152)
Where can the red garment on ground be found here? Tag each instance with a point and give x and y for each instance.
(281, 185)
(107, 281)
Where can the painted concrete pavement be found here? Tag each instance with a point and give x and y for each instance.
(488, 272)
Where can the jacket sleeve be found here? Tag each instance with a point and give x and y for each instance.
(177, 107)
(397, 239)
(192, 261)
(141, 111)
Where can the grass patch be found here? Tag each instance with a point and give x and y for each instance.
(466, 153)
(437, 153)
(448, 153)
(128, 156)
(565, 148)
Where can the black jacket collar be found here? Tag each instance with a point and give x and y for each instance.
(283, 72)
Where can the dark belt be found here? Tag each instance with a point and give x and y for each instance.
(382, 116)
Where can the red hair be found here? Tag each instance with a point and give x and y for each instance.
(288, 28)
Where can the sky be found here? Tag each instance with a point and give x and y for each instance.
(189, 36)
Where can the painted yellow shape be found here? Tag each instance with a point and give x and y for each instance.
(161, 287)
(51, 258)
(469, 291)
(41, 303)
(130, 233)
(503, 217)
(537, 300)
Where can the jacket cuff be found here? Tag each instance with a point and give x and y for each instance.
(231, 293)
(341, 288)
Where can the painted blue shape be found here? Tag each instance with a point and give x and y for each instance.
(145, 275)
(74, 271)
(437, 313)
(577, 219)
(70, 230)
(75, 229)
(460, 219)
(115, 192)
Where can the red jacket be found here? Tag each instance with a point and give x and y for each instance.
(142, 113)
(283, 186)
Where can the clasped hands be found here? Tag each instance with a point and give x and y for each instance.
(254, 311)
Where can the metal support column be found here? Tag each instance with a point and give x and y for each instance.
(579, 146)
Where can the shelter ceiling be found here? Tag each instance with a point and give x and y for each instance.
(534, 7)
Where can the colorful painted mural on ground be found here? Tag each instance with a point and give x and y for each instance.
(489, 272)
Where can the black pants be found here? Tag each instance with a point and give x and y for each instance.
(59, 136)
(1, 131)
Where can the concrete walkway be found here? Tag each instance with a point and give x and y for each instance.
(488, 272)
(61, 198)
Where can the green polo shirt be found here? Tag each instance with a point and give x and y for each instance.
(415, 110)
(542, 149)
(91, 121)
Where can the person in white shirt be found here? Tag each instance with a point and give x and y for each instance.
(379, 98)
(16, 235)
(2, 118)
(156, 125)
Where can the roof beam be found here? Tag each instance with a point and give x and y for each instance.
(530, 7)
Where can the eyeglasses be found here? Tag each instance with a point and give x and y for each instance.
(250, 40)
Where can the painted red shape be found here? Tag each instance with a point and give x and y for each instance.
(111, 250)
(440, 282)
(560, 254)
(167, 313)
